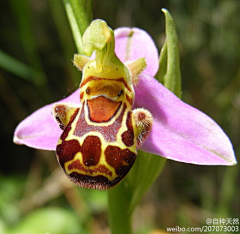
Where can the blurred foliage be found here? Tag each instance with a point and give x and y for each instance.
(35, 69)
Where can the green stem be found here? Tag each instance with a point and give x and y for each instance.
(123, 198)
(78, 20)
(118, 210)
(80, 13)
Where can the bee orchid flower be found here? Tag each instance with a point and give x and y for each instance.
(179, 131)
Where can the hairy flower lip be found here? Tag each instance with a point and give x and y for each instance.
(173, 136)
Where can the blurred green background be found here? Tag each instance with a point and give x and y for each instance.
(36, 49)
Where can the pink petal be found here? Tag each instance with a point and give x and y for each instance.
(40, 130)
(134, 43)
(180, 132)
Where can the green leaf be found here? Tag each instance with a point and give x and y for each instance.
(18, 68)
(162, 63)
(169, 72)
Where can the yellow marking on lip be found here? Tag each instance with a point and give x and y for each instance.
(89, 170)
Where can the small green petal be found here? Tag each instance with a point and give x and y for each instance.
(80, 61)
